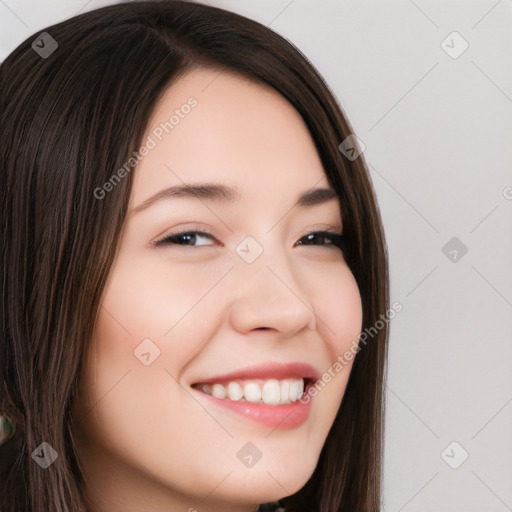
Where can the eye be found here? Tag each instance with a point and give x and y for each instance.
(186, 238)
(320, 238)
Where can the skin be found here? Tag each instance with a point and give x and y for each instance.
(144, 440)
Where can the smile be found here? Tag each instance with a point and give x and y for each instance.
(270, 391)
(269, 395)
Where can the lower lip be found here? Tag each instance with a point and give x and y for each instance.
(275, 416)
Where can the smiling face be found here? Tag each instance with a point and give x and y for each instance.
(253, 291)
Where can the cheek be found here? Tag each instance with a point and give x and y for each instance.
(153, 297)
(156, 300)
(129, 399)
(338, 307)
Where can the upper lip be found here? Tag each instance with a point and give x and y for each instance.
(267, 371)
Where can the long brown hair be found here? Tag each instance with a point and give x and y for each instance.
(68, 121)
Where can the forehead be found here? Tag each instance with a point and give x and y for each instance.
(213, 126)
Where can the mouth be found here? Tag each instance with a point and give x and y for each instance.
(259, 391)
(269, 395)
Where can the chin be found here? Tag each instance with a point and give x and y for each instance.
(269, 482)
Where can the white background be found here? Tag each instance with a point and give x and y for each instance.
(438, 137)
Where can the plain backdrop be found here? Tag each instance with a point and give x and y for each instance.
(427, 86)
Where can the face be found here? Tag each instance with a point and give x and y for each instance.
(246, 302)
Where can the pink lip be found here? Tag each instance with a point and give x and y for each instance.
(274, 416)
(267, 371)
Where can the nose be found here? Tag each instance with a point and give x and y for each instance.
(270, 297)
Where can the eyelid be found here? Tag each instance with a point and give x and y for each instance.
(329, 228)
(187, 227)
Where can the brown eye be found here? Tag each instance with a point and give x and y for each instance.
(324, 238)
(186, 238)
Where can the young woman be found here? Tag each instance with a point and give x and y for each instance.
(189, 261)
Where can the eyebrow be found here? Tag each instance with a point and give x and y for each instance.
(223, 193)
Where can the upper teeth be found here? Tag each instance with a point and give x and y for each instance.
(271, 391)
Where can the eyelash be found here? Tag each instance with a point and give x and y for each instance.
(337, 240)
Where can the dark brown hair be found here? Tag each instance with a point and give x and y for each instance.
(70, 120)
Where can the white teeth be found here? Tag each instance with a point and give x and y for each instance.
(296, 390)
(235, 391)
(285, 392)
(252, 392)
(219, 391)
(270, 391)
